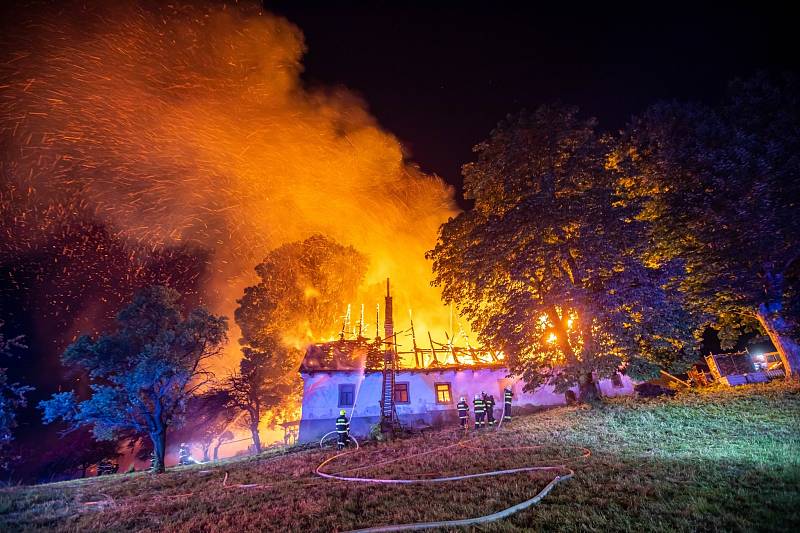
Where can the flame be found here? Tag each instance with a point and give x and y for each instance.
(310, 292)
(190, 125)
(545, 325)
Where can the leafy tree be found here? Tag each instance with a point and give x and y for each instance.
(144, 372)
(208, 416)
(547, 266)
(214, 426)
(12, 396)
(222, 439)
(719, 188)
(210, 432)
(258, 386)
(302, 290)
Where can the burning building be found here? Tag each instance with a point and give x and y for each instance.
(366, 378)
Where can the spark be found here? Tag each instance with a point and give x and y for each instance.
(152, 143)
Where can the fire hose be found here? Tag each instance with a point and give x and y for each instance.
(461, 522)
(325, 436)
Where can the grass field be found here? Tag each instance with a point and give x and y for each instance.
(718, 460)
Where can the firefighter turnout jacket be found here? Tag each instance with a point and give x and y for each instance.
(480, 408)
(489, 403)
(342, 425)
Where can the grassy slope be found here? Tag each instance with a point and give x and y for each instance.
(719, 460)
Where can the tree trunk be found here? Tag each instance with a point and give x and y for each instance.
(256, 437)
(587, 389)
(159, 439)
(216, 450)
(779, 330)
(205, 448)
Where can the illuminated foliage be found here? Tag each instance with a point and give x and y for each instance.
(719, 188)
(144, 372)
(546, 244)
(303, 288)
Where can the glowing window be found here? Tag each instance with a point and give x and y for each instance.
(401, 393)
(443, 394)
(347, 393)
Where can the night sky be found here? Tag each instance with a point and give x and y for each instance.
(440, 75)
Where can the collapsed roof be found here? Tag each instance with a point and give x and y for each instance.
(344, 354)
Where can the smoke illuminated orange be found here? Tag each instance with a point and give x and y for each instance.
(179, 124)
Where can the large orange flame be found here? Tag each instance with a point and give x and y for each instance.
(177, 124)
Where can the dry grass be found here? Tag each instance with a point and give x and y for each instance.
(722, 460)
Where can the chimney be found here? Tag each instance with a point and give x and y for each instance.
(388, 326)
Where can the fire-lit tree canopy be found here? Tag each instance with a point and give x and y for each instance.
(144, 372)
(304, 288)
(546, 265)
(720, 188)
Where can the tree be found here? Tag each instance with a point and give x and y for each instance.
(222, 439)
(719, 189)
(211, 431)
(258, 386)
(302, 291)
(546, 265)
(144, 372)
(213, 428)
(12, 396)
(208, 416)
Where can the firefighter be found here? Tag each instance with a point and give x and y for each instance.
(184, 458)
(507, 396)
(488, 401)
(463, 412)
(342, 430)
(480, 410)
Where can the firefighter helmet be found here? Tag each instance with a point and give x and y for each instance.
(342, 412)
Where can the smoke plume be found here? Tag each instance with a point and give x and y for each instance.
(188, 126)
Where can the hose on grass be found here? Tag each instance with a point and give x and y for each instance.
(442, 479)
(470, 521)
(325, 436)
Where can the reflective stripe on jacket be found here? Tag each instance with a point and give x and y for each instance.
(508, 396)
(463, 409)
(479, 407)
(342, 425)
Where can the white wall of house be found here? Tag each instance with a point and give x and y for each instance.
(321, 396)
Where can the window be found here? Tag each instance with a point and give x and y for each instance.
(401, 393)
(347, 392)
(443, 394)
(616, 380)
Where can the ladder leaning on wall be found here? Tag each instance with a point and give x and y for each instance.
(390, 423)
